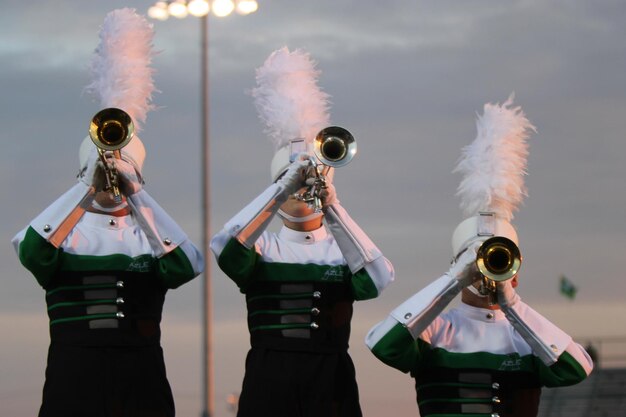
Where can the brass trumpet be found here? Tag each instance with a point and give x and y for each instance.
(498, 259)
(335, 147)
(110, 130)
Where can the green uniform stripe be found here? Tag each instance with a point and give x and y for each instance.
(115, 262)
(287, 272)
(88, 317)
(82, 303)
(245, 265)
(293, 311)
(439, 357)
(80, 287)
(282, 326)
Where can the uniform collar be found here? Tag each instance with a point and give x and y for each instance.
(107, 221)
(481, 314)
(303, 238)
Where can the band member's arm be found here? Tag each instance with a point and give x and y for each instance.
(40, 255)
(565, 362)
(395, 340)
(372, 272)
(32, 244)
(58, 219)
(178, 259)
(234, 245)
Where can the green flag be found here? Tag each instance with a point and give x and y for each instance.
(567, 288)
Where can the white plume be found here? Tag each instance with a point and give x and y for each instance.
(120, 68)
(494, 165)
(287, 98)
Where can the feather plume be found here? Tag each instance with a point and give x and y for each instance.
(494, 164)
(287, 98)
(120, 67)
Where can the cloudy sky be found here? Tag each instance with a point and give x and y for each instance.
(407, 78)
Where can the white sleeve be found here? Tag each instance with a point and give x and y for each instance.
(357, 248)
(419, 311)
(546, 340)
(164, 234)
(54, 216)
(248, 225)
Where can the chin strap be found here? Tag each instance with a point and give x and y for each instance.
(475, 291)
(295, 219)
(113, 209)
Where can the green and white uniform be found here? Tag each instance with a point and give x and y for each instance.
(299, 287)
(105, 288)
(471, 361)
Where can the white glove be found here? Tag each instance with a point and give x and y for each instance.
(295, 177)
(129, 182)
(329, 195)
(507, 296)
(464, 270)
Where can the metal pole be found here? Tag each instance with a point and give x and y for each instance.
(207, 343)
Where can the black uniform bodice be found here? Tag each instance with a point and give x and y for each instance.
(300, 316)
(105, 309)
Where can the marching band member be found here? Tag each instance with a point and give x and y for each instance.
(491, 355)
(301, 282)
(106, 263)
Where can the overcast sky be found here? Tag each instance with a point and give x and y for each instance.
(407, 78)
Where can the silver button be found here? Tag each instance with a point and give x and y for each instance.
(315, 326)
(315, 311)
(495, 415)
(495, 400)
(112, 222)
(119, 315)
(554, 348)
(167, 241)
(119, 300)
(119, 284)
(408, 316)
(495, 385)
(47, 228)
(317, 294)
(308, 237)
(489, 316)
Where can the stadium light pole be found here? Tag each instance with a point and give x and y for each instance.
(162, 10)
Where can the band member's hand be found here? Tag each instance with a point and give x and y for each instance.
(99, 178)
(328, 195)
(464, 269)
(130, 183)
(507, 296)
(295, 177)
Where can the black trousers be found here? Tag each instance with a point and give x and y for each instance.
(106, 382)
(299, 384)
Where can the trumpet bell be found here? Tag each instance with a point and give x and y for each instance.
(335, 146)
(498, 259)
(111, 129)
